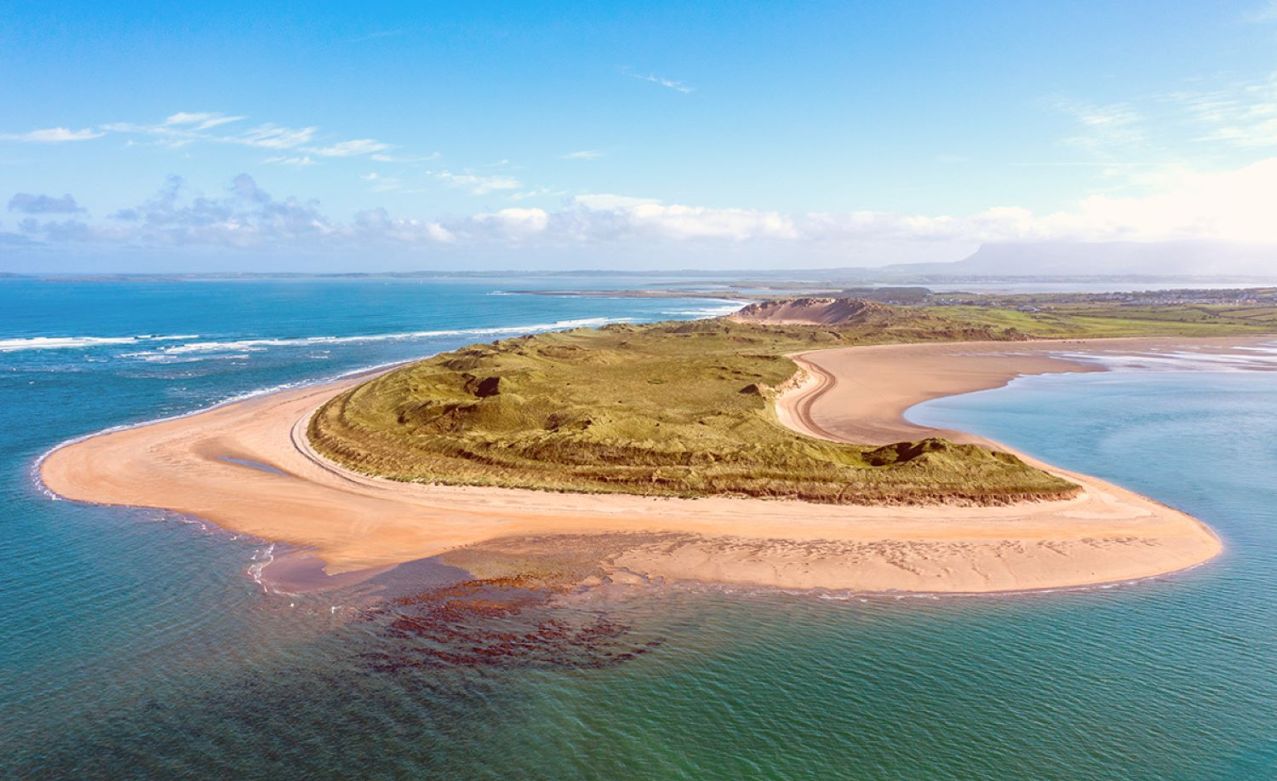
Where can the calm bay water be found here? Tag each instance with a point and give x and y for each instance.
(136, 644)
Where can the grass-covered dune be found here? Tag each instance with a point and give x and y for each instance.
(683, 409)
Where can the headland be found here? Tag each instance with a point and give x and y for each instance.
(313, 467)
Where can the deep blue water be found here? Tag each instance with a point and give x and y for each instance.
(135, 644)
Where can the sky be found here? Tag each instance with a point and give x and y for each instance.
(402, 136)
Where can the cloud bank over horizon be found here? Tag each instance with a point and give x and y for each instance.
(1230, 206)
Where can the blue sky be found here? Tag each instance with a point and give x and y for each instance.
(620, 135)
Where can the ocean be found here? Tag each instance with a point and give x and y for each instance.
(135, 643)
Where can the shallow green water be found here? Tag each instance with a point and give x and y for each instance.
(137, 645)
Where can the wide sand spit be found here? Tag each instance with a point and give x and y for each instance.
(248, 467)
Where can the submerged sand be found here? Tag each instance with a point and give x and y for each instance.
(247, 467)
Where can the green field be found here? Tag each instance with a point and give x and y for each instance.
(684, 409)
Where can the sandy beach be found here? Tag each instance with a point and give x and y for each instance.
(247, 467)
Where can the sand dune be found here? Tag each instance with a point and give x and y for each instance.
(810, 311)
(247, 467)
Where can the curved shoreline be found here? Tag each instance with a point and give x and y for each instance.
(358, 523)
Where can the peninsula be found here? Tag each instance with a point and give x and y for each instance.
(766, 448)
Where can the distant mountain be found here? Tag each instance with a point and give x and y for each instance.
(1127, 258)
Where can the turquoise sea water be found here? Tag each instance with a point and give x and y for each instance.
(137, 644)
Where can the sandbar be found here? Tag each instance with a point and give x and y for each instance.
(247, 467)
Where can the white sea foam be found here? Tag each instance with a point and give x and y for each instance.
(1182, 360)
(75, 342)
(715, 310)
(260, 560)
(259, 344)
(1270, 349)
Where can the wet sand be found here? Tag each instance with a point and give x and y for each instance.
(247, 467)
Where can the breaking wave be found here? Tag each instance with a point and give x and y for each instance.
(258, 344)
(77, 342)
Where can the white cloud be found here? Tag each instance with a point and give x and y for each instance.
(202, 120)
(478, 184)
(378, 225)
(53, 135)
(270, 136)
(583, 154)
(515, 222)
(1243, 115)
(169, 136)
(1233, 205)
(538, 192)
(1103, 127)
(185, 128)
(381, 157)
(676, 221)
(245, 216)
(677, 86)
(380, 183)
(1228, 205)
(298, 161)
(1191, 121)
(439, 233)
(352, 148)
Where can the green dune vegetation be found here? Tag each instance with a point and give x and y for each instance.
(684, 409)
